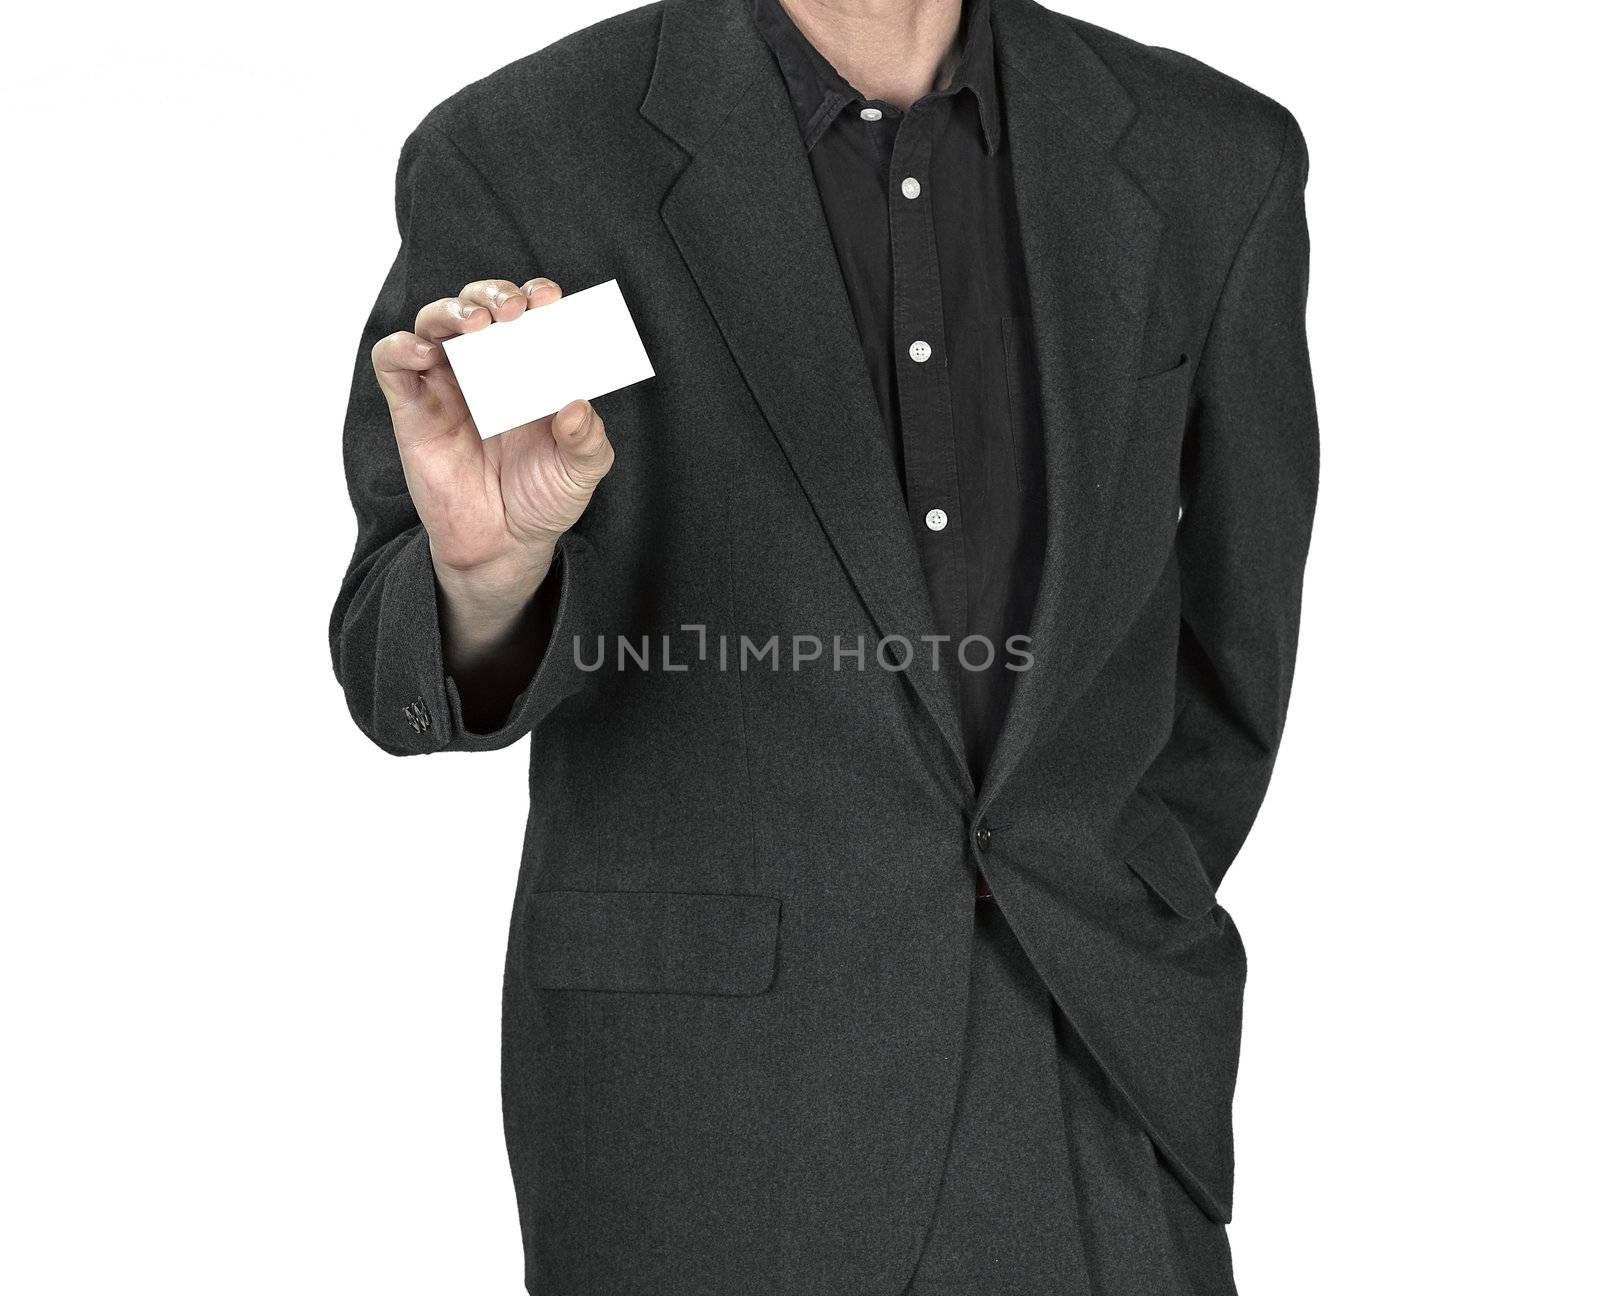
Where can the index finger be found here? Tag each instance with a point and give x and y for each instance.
(449, 317)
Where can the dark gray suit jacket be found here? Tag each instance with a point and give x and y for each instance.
(735, 989)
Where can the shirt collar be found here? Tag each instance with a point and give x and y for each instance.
(820, 94)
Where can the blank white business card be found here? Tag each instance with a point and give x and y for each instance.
(576, 348)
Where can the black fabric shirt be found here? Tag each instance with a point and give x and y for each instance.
(921, 211)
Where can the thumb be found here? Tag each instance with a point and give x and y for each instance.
(580, 437)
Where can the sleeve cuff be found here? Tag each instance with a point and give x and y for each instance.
(420, 711)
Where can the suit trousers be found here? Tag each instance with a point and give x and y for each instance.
(1050, 1187)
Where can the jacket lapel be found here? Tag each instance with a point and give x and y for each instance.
(1090, 237)
(746, 218)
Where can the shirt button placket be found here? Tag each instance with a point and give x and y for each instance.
(929, 484)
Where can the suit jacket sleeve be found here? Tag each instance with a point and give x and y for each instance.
(384, 631)
(1250, 484)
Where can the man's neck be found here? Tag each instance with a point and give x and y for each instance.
(893, 50)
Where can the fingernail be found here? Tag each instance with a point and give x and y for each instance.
(467, 312)
(424, 349)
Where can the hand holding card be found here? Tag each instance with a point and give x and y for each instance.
(581, 346)
(497, 483)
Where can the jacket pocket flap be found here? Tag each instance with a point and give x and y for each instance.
(1166, 860)
(654, 942)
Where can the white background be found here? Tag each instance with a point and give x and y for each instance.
(251, 966)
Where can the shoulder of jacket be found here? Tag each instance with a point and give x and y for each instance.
(594, 73)
(1192, 104)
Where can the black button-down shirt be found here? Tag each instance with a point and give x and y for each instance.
(921, 210)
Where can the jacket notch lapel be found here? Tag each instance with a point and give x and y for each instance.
(746, 218)
(1090, 239)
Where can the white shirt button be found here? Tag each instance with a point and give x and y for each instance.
(920, 351)
(910, 187)
(872, 114)
(937, 519)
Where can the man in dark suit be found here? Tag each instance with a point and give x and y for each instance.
(866, 938)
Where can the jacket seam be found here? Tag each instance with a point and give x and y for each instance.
(488, 185)
(1249, 229)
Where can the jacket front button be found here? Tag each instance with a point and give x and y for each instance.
(983, 836)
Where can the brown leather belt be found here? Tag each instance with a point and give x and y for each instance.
(983, 892)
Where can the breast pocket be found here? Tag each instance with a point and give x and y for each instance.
(1148, 506)
(1161, 400)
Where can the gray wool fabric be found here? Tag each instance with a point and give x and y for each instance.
(741, 949)
(1049, 1189)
